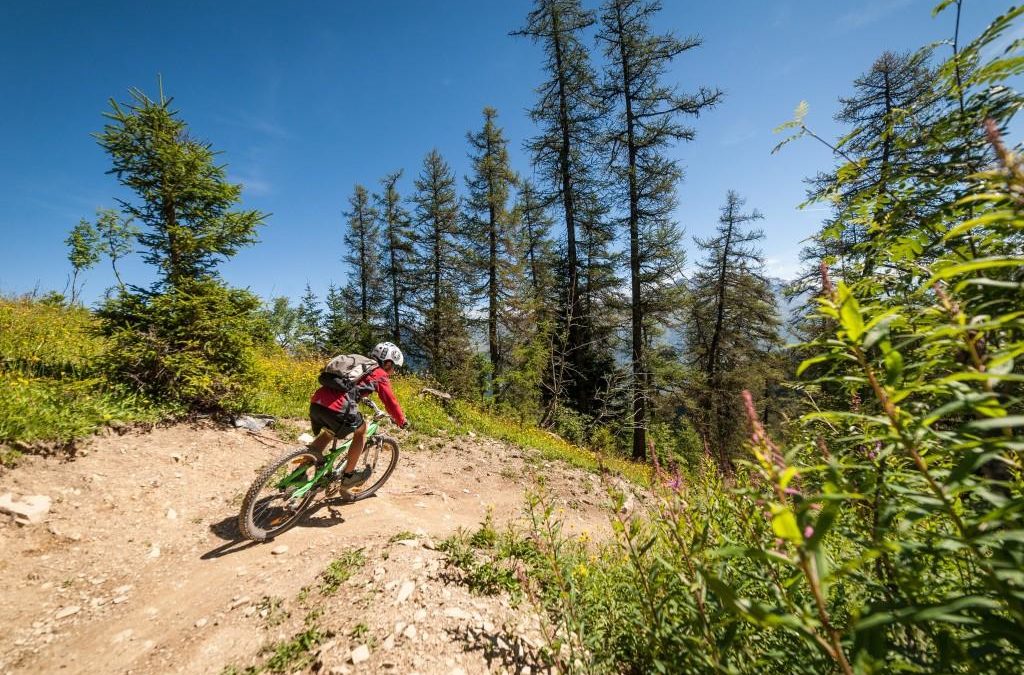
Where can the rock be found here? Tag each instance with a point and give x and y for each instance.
(253, 422)
(171, 514)
(279, 550)
(399, 627)
(121, 590)
(176, 456)
(67, 611)
(305, 438)
(457, 671)
(339, 670)
(429, 544)
(238, 602)
(411, 543)
(360, 654)
(410, 632)
(389, 643)
(420, 615)
(457, 613)
(201, 622)
(154, 552)
(27, 510)
(405, 591)
(119, 599)
(250, 610)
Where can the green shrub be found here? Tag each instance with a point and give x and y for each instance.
(193, 344)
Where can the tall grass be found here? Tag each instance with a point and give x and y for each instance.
(50, 389)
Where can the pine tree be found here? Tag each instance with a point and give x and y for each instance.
(443, 337)
(188, 338)
(185, 205)
(338, 329)
(891, 104)
(568, 111)
(397, 262)
(309, 320)
(645, 125)
(491, 232)
(365, 293)
(732, 328)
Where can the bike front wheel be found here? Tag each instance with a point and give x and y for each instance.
(381, 455)
(270, 506)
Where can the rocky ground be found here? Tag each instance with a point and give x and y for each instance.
(136, 566)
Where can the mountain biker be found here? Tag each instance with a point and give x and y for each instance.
(338, 411)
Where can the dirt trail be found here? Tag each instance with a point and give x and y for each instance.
(138, 569)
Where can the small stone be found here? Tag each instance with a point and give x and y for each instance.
(399, 627)
(250, 610)
(410, 632)
(339, 670)
(429, 544)
(360, 654)
(119, 599)
(411, 543)
(405, 591)
(121, 590)
(172, 514)
(27, 510)
(456, 613)
(457, 671)
(176, 456)
(488, 627)
(67, 611)
(420, 615)
(389, 643)
(202, 622)
(279, 550)
(238, 602)
(154, 552)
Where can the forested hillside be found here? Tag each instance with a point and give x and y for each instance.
(839, 473)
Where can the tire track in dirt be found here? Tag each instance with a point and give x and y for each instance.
(141, 540)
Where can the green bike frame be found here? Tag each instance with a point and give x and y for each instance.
(302, 485)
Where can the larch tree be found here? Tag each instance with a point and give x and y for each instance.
(732, 328)
(491, 232)
(443, 336)
(396, 267)
(645, 125)
(568, 113)
(365, 292)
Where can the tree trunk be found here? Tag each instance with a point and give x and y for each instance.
(636, 307)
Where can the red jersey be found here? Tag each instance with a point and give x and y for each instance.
(377, 381)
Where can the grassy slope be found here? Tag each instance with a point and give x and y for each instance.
(51, 391)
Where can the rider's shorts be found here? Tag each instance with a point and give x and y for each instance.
(340, 422)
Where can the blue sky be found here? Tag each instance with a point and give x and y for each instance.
(306, 99)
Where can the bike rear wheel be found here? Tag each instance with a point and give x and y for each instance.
(381, 455)
(269, 507)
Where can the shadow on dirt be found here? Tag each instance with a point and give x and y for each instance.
(501, 649)
(227, 528)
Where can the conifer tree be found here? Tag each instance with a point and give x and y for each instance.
(396, 266)
(443, 336)
(338, 330)
(568, 112)
(309, 320)
(645, 125)
(491, 231)
(365, 293)
(732, 328)
(189, 337)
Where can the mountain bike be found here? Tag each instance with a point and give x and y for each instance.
(286, 487)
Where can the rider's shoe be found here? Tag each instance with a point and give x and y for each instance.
(356, 479)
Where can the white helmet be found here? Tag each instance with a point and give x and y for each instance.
(387, 351)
